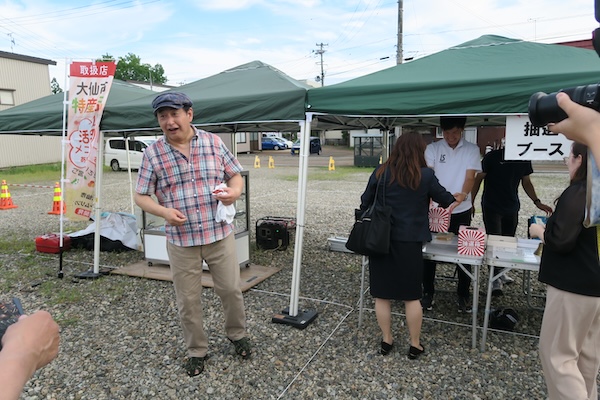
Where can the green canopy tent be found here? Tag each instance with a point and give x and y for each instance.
(44, 116)
(253, 97)
(485, 79)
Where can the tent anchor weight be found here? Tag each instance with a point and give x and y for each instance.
(89, 274)
(300, 321)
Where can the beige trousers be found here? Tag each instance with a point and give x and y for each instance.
(186, 267)
(570, 345)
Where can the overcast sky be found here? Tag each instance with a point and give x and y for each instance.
(194, 39)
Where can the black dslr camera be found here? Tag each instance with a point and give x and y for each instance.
(543, 108)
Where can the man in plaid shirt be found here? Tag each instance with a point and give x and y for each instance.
(182, 170)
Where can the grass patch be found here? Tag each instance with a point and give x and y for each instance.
(56, 294)
(34, 173)
(8, 246)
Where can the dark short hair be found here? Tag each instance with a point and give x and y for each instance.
(447, 123)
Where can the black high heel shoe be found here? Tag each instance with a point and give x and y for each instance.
(386, 348)
(414, 352)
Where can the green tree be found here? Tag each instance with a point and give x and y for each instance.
(131, 68)
(54, 87)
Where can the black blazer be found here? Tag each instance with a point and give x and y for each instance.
(570, 256)
(410, 208)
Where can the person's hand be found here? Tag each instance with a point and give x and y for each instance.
(174, 217)
(547, 209)
(537, 231)
(582, 124)
(227, 195)
(34, 339)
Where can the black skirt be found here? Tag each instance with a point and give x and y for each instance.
(399, 274)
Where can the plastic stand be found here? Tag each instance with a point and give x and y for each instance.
(300, 321)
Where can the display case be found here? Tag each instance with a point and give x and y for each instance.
(154, 239)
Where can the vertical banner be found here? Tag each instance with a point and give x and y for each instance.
(89, 85)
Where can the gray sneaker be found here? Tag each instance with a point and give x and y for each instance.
(427, 302)
(506, 279)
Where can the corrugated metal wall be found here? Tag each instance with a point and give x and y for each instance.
(18, 150)
(27, 80)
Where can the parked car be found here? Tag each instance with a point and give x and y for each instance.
(315, 146)
(273, 143)
(115, 155)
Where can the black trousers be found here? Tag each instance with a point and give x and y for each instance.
(464, 282)
(498, 224)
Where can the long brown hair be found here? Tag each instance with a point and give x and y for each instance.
(406, 160)
(579, 149)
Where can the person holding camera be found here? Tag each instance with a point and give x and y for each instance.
(28, 345)
(569, 266)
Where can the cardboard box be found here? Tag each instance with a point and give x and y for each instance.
(439, 219)
(471, 241)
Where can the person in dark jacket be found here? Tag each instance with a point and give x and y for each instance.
(409, 187)
(570, 333)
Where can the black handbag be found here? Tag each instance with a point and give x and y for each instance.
(370, 235)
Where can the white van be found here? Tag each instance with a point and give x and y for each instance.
(115, 155)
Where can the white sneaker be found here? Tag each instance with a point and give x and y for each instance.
(506, 279)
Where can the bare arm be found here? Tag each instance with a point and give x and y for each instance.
(467, 186)
(476, 186)
(147, 203)
(529, 189)
(232, 192)
(27, 345)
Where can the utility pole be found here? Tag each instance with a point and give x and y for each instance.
(399, 46)
(320, 52)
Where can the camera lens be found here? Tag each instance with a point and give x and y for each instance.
(544, 109)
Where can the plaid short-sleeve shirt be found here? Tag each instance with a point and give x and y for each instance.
(187, 185)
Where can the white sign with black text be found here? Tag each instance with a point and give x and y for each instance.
(527, 142)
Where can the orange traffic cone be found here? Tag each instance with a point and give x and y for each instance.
(5, 200)
(56, 210)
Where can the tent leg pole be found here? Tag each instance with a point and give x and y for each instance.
(291, 315)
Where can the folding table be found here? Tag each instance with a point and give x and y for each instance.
(522, 258)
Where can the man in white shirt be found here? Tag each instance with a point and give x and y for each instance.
(455, 162)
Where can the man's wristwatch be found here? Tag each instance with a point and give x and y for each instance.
(537, 201)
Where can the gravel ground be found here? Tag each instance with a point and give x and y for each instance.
(120, 336)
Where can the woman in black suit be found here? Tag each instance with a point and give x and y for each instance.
(409, 187)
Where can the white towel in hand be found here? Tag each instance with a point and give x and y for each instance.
(224, 213)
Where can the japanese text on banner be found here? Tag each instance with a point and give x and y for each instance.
(89, 87)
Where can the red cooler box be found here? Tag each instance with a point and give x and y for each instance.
(50, 243)
(471, 241)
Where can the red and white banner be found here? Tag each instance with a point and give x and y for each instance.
(89, 86)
